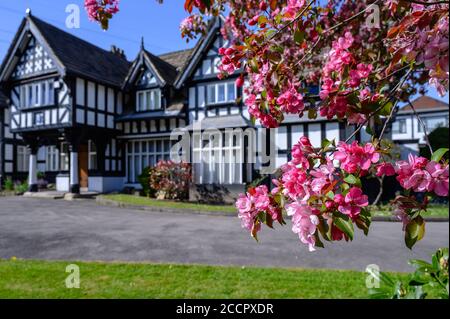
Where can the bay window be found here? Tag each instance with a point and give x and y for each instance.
(37, 94)
(142, 154)
(218, 159)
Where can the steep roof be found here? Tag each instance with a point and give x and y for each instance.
(83, 58)
(167, 71)
(74, 55)
(424, 104)
(177, 58)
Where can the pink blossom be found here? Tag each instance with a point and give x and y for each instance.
(304, 223)
(354, 200)
(354, 157)
(295, 182)
(385, 169)
(291, 101)
(440, 178)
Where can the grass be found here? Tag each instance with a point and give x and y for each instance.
(44, 279)
(433, 210)
(144, 201)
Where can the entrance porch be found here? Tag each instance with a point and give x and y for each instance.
(82, 158)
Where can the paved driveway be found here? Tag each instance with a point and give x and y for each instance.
(82, 230)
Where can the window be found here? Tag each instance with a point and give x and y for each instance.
(64, 157)
(224, 92)
(37, 94)
(92, 150)
(399, 126)
(38, 118)
(218, 159)
(206, 67)
(141, 154)
(23, 158)
(52, 159)
(433, 122)
(148, 100)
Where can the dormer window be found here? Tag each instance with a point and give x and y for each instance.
(148, 100)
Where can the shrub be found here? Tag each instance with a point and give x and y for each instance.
(170, 180)
(21, 188)
(438, 139)
(9, 184)
(144, 180)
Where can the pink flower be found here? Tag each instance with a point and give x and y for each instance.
(246, 213)
(261, 198)
(304, 223)
(440, 178)
(385, 169)
(354, 200)
(291, 101)
(323, 176)
(354, 157)
(295, 183)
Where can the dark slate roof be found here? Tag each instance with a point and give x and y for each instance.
(3, 100)
(167, 71)
(83, 58)
(424, 104)
(177, 58)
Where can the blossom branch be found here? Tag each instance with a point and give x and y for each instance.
(425, 132)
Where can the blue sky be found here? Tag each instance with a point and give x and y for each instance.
(158, 24)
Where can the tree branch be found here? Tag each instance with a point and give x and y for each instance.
(427, 140)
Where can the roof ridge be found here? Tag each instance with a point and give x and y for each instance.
(173, 52)
(429, 97)
(33, 17)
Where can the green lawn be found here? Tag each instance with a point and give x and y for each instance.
(40, 279)
(144, 201)
(433, 211)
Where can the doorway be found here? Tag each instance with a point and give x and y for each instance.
(83, 166)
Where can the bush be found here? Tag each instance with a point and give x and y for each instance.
(144, 180)
(21, 188)
(438, 139)
(170, 180)
(9, 184)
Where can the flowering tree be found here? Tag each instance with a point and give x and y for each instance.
(367, 56)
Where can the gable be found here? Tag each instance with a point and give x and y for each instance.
(146, 78)
(208, 65)
(34, 61)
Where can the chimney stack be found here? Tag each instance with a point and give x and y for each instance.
(118, 51)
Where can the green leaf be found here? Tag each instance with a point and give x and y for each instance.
(299, 36)
(352, 179)
(326, 143)
(414, 232)
(437, 156)
(344, 223)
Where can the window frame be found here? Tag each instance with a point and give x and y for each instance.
(139, 154)
(154, 95)
(215, 86)
(37, 94)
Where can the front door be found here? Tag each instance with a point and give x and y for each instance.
(83, 165)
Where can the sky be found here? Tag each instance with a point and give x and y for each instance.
(157, 23)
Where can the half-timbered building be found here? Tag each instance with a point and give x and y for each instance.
(91, 120)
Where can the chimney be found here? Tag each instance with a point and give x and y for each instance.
(118, 51)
